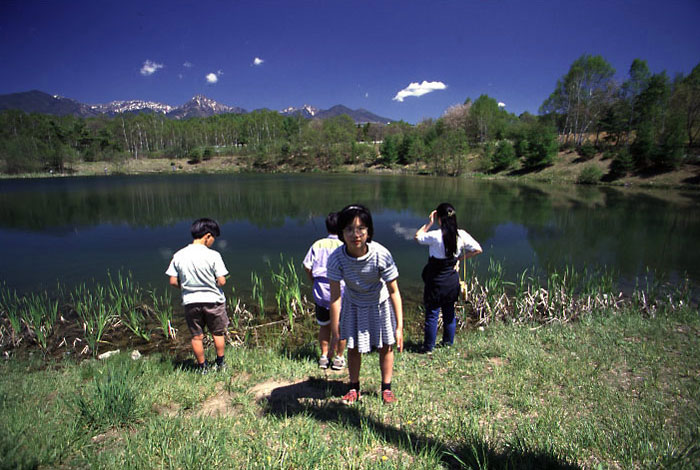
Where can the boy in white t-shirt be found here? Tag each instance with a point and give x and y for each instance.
(199, 272)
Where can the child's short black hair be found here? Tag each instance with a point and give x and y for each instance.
(201, 227)
(348, 214)
(332, 223)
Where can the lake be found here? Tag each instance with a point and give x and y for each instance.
(78, 229)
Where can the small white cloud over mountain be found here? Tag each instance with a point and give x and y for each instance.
(212, 78)
(149, 68)
(258, 61)
(419, 89)
(501, 104)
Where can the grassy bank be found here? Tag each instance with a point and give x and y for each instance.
(555, 373)
(609, 391)
(567, 168)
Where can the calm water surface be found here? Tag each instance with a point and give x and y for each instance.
(77, 229)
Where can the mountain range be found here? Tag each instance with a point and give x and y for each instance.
(199, 106)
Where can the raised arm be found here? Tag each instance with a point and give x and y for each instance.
(427, 225)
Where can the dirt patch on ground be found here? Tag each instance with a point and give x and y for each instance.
(390, 455)
(108, 440)
(493, 363)
(312, 393)
(218, 404)
(286, 391)
(169, 410)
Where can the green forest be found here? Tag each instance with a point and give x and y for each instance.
(648, 123)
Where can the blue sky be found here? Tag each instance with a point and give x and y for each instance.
(362, 54)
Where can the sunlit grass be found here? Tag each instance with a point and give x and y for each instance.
(608, 391)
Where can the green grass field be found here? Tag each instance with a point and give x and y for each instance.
(618, 390)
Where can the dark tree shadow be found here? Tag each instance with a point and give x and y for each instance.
(609, 177)
(692, 180)
(582, 159)
(528, 170)
(320, 399)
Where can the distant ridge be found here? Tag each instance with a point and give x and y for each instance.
(36, 101)
(360, 116)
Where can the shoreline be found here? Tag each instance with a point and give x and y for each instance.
(565, 171)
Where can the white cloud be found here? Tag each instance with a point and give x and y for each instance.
(188, 65)
(501, 104)
(258, 61)
(407, 233)
(212, 78)
(149, 68)
(366, 95)
(418, 89)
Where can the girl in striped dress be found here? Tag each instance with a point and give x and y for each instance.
(372, 309)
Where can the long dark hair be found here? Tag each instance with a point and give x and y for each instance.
(448, 225)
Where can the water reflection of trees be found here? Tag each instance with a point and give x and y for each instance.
(564, 224)
(629, 233)
(263, 200)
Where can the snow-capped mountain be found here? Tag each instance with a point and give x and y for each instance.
(201, 106)
(131, 106)
(307, 111)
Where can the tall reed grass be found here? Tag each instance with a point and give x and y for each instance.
(563, 295)
(95, 313)
(40, 314)
(163, 312)
(287, 289)
(122, 307)
(126, 298)
(9, 307)
(258, 292)
(33, 316)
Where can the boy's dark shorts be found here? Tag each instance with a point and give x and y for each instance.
(210, 314)
(323, 315)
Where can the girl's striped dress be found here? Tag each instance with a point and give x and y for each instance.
(367, 318)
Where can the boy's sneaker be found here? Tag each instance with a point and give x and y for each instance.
(220, 367)
(323, 362)
(202, 368)
(338, 363)
(389, 397)
(351, 397)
